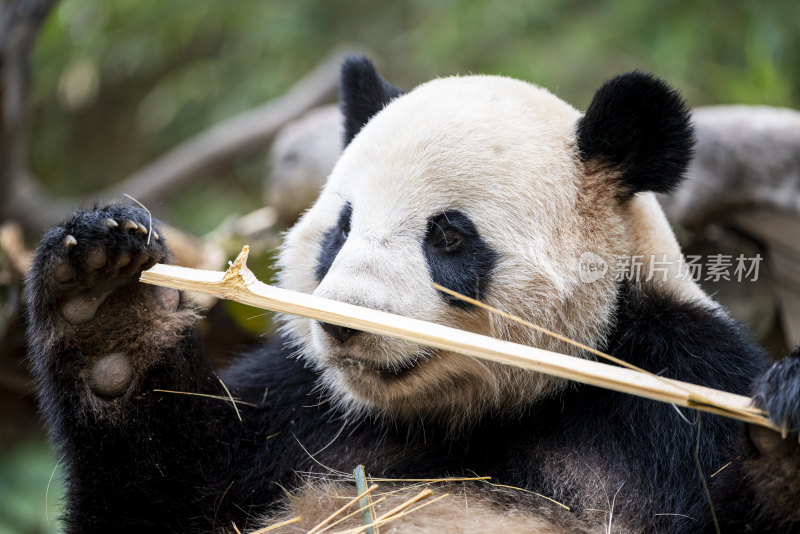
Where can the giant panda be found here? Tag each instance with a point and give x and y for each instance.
(487, 185)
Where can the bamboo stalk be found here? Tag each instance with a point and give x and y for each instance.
(367, 512)
(240, 284)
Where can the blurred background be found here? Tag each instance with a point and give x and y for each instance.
(116, 84)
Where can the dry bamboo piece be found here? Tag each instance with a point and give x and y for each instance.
(393, 513)
(341, 510)
(240, 284)
(278, 525)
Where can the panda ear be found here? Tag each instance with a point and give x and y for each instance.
(640, 128)
(363, 93)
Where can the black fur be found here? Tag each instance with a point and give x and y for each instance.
(149, 461)
(458, 258)
(767, 461)
(778, 392)
(639, 127)
(333, 241)
(363, 93)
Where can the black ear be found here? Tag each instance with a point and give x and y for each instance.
(641, 128)
(363, 93)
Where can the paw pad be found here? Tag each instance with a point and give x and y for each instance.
(111, 375)
(96, 258)
(82, 308)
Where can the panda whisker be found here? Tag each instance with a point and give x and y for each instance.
(600, 482)
(313, 459)
(225, 398)
(611, 509)
(320, 402)
(665, 514)
(422, 424)
(230, 397)
(333, 440)
(47, 490)
(515, 488)
(338, 194)
(444, 234)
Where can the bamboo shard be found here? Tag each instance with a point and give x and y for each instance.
(240, 284)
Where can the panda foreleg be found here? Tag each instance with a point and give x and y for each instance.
(773, 463)
(100, 344)
(759, 490)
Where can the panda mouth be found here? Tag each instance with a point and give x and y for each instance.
(362, 366)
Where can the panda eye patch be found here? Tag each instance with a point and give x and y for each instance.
(458, 258)
(333, 241)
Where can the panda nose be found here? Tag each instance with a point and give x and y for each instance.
(339, 333)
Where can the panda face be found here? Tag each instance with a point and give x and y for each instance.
(474, 183)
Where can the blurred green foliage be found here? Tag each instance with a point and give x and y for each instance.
(28, 504)
(118, 82)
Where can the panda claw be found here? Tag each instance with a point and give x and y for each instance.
(155, 235)
(142, 229)
(130, 225)
(111, 223)
(70, 241)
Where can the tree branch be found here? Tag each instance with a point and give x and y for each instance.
(210, 149)
(20, 21)
(220, 144)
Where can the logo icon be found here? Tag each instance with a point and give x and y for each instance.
(591, 267)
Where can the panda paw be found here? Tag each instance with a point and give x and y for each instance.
(777, 391)
(773, 461)
(93, 254)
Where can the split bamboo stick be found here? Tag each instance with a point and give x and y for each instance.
(240, 284)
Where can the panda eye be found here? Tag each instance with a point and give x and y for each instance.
(457, 257)
(344, 222)
(442, 236)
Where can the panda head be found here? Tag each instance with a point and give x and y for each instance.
(494, 188)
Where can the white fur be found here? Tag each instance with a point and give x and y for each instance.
(503, 152)
(458, 509)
